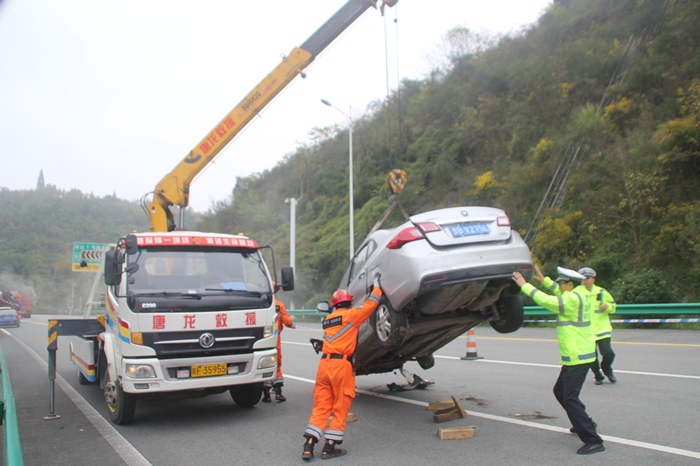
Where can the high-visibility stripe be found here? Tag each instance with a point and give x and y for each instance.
(564, 323)
(561, 305)
(341, 332)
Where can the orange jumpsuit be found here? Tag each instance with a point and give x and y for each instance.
(335, 378)
(282, 319)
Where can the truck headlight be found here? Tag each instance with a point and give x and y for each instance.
(140, 371)
(267, 361)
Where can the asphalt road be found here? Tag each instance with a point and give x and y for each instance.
(649, 417)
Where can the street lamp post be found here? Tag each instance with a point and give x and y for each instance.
(352, 220)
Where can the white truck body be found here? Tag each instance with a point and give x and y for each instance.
(192, 311)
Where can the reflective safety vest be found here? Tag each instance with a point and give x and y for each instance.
(601, 318)
(574, 330)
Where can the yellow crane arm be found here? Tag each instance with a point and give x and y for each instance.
(174, 188)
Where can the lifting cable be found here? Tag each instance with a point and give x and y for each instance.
(388, 87)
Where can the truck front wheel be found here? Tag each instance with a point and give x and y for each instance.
(121, 405)
(248, 395)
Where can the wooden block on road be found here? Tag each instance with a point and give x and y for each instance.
(450, 433)
(351, 417)
(448, 414)
(435, 405)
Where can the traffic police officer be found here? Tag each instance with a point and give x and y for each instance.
(603, 306)
(335, 378)
(576, 345)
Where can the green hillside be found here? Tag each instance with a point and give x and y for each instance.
(604, 90)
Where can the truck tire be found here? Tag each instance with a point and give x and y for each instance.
(248, 395)
(388, 325)
(121, 405)
(82, 380)
(511, 314)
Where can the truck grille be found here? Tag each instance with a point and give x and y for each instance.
(168, 345)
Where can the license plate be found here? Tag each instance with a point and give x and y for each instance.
(206, 370)
(471, 229)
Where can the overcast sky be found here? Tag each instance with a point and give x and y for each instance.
(108, 97)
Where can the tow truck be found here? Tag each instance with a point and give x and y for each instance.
(189, 313)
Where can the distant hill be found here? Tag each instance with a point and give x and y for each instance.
(37, 232)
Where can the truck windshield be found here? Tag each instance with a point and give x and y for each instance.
(201, 272)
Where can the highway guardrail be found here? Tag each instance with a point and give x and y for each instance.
(642, 310)
(13, 447)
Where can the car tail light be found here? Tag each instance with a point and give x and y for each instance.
(405, 236)
(428, 227)
(503, 221)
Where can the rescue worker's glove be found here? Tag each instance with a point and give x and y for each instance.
(376, 279)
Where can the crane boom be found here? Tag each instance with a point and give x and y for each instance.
(174, 188)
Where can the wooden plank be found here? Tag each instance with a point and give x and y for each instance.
(433, 405)
(462, 411)
(351, 418)
(448, 416)
(450, 433)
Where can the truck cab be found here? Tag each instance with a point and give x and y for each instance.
(185, 312)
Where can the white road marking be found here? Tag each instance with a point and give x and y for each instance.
(607, 438)
(124, 449)
(492, 361)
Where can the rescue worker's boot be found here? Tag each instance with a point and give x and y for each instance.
(266, 395)
(278, 393)
(331, 451)
(308, 448)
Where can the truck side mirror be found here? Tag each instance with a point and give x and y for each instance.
(131, 245)
(287, 278)
(323, 306)
(113, 267)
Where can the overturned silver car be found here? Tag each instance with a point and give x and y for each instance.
(443, 272)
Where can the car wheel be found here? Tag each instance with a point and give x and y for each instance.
(511, 314)
(248, 395)
(121, 405)
(388, 325)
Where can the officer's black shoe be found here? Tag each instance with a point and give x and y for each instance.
(331, 451)
(573, 429)
(599, 381)
(266, 396)
(308, 448)
(611, 378)
(590, 448)
(278, 394)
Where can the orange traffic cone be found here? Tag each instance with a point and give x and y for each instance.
(471, 346)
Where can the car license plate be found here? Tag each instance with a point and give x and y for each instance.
(471, 229)
(206, 370)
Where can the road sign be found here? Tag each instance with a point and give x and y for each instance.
(87, 257)
(396, 180)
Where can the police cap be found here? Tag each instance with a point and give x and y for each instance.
(569, 275)
(587, 272)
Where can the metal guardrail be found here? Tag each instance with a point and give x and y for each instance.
(665, 309)
(13, 447)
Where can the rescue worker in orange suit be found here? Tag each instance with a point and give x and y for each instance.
(335, 378)
(282, 319)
